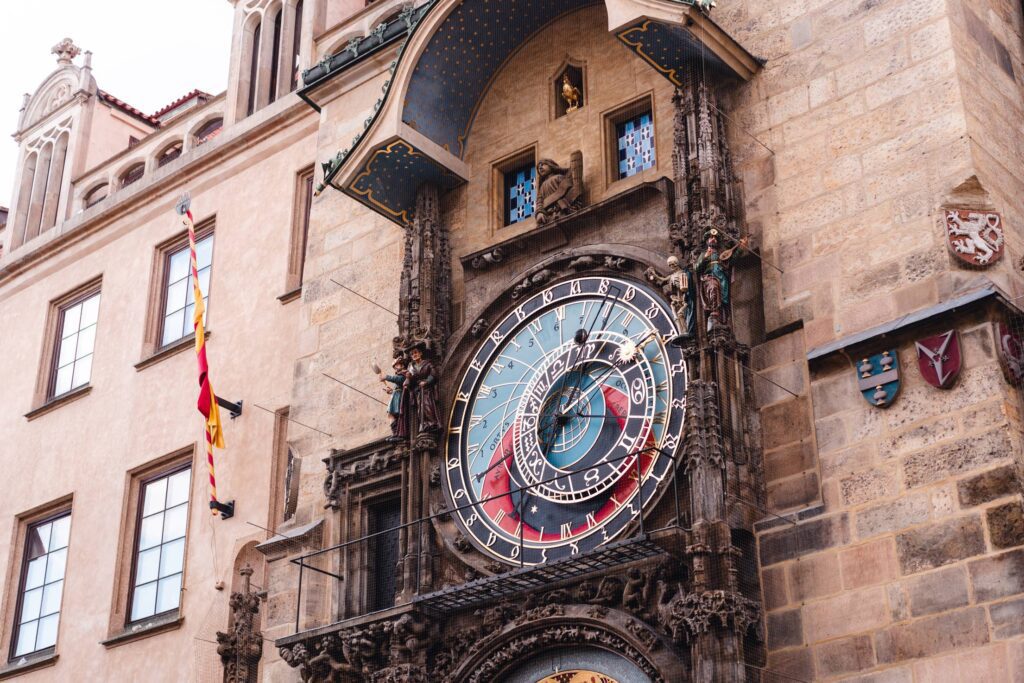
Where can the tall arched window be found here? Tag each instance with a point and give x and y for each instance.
(20, 220)
(275, 57)
(54, 184)
(254, 68)
(296, 44)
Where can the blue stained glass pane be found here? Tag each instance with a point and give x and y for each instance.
(635, 145)
(520, 193)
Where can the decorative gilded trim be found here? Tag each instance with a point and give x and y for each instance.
(637, 47)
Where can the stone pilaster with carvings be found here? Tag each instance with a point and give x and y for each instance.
(241, 647)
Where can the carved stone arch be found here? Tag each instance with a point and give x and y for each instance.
(56, 90)
(571, 626)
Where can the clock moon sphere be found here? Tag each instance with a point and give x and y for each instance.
(566, 420)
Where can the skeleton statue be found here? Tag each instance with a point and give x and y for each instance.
(677, 286)
(560, 190)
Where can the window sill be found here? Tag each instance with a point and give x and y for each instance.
(288, 297)
(172, 349)
(145, 629)
(57, 402)
(27, 663)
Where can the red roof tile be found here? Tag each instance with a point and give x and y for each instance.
(181, 100)
(129, 109)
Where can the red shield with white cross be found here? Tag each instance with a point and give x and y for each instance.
(939, 359)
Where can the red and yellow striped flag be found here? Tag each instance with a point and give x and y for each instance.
(207, 403)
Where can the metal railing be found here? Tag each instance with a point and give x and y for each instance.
(416, 559)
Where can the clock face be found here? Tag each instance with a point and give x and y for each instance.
(551, 447)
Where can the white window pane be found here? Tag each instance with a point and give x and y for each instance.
(46, 635)
(190, 313)
(143, 601)
(169, 593)
(177, 492)
(26, 638)
(147, 566)
(190, 295)
(36, 572)
(55, 565)
(61, 530)
(86, 341)
(179, 266)
(176, 295)
(173, 327)
(172, 558)
(83, 368)
(149, 534)
(72, 316)
(90, 311)
(156, 494)
(51, 598)
(204, 281)
(30, 603)
(63, 383)
(67, 351)
(204, 252)
(174, 523)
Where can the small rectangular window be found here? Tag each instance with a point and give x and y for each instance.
(74, 344)
(635, 144)
(384, 519)
(520, 193)
(159, 556)
(42, 585)
(178, 293)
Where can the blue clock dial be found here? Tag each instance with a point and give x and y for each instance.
(566, 420)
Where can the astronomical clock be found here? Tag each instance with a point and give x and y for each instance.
(565, 422)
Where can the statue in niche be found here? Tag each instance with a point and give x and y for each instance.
(559, 190)
(423, 383)
(570, 94)
(676, 286)
(715, 272)
(398, 406)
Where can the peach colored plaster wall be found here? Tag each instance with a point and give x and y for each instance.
(129, 418)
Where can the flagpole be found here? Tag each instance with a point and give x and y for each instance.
(207, 399)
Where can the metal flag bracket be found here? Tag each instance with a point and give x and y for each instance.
(226, 510)
(234, 409)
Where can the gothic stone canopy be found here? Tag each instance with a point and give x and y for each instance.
(420, 126)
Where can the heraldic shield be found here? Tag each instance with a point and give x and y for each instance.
(939, 359)
(1011, 354)
(878, 378)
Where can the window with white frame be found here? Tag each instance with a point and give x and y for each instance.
(159, 557)
(76, 340)
(179, 296)
(42, 585)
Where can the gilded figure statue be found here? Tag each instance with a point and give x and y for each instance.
(570, 93)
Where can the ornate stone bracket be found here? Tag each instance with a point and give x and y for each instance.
(241, 648)
(392, 650)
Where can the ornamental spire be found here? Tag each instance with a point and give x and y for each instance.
(66, 50)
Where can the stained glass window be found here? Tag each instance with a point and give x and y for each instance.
(42, 584)
(520, 193)
(635, 144)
